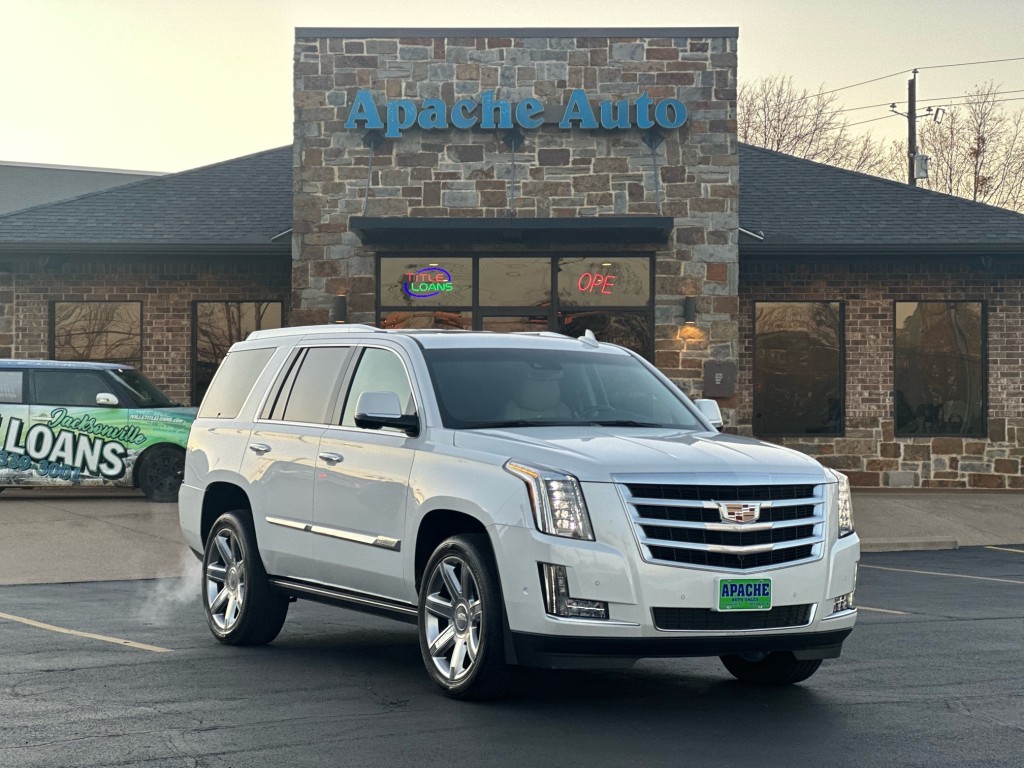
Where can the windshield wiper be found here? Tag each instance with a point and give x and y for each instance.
(628, 423)
(521, 423)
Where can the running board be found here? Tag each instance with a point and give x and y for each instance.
(345, 598)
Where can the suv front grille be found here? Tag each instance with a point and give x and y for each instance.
(704, 619)
(689, 524)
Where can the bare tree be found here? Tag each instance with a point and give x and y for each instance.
(773, 114)
(977, 151)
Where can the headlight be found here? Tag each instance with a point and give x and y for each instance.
(844, 504)
(557, 501)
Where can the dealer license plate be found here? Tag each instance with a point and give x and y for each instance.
(744, 594)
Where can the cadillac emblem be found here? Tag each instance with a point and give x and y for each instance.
(738, 512)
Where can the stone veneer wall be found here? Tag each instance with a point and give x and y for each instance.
(869, 453)
(560, 173)
(166, 287)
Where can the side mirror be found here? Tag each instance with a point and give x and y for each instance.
(383, 409)
(105, 398)
(709, 410)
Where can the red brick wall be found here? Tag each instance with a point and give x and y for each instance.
(165, 285)
(869, 452)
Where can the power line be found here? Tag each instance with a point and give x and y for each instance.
(903, 72)
(943, 99)
(873, 120)
(969, 63)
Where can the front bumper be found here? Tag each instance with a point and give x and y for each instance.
(611, 570)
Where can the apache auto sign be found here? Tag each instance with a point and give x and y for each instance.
(490, 112)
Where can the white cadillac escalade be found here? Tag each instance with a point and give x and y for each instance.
(524, 499)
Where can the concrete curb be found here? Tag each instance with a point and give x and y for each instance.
(906, 545)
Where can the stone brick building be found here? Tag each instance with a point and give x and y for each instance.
(872, 325)
(553, 226)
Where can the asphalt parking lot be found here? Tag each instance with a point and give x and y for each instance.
(125, 673)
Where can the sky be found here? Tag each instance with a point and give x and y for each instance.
(167, 85)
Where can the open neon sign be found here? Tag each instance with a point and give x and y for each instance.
(427, 282)
(596, 282)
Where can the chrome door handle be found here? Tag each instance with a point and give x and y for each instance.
(259, 448)
(331, 458)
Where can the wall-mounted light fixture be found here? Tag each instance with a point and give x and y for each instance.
(690, 310)
(339, 309)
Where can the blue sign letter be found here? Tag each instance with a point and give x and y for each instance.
(578, 109)
(677, 109)
(401, 115)
(530, 113)
(363, 110)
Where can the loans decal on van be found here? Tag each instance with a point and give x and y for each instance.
(82, 443)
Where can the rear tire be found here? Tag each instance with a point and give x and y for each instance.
(462, 619)
(777, 668)
(160, 475)
(240, 606)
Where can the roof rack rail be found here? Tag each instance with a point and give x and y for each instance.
(313, 330)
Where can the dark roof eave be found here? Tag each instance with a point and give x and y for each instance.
(877, 250)
(388, 230)
(145, 249)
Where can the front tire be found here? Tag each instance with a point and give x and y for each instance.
(777, 668)
(461, 620)
(160, 475)
(240, 606)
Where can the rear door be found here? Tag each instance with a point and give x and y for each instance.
(72, 438)
(280, 458)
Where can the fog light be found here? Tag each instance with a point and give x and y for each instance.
(844, 603)
(557, 601)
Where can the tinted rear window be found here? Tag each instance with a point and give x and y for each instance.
(233, 382)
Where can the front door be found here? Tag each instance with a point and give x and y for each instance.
(362, 492)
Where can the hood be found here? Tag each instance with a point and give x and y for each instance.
(598, 454)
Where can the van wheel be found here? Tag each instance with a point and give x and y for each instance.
(161, 472)
(241, 608)
(777, 668)
(461, 620)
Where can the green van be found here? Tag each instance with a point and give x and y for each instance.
(71, 424)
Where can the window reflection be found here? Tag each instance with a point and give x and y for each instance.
(437, 319)
(627, 329)
(98, 331)
(798, 387)
(218, 325)
(938, 372)
(515, 282)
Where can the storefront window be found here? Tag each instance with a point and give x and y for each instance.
(590, 281)
(938, 366)
(515, 282)
(426, 282)
(798, 368)
(97, 331)
(608, 295)
(219, 324)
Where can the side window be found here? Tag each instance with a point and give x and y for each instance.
(939, 368)
(798, 368)
(102, 331)
(12, 387)
(379, 370)
(69, 387)
(314, 386)
(233, 382)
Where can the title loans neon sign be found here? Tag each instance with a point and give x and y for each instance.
(491, 113)
(427, 282)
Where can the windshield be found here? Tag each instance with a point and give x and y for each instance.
(143, 390)
(480, 388)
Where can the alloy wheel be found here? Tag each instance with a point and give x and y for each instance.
(225, 581)
(454, 618)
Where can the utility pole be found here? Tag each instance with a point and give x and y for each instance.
(911, 128)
